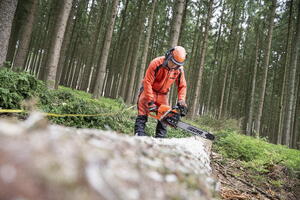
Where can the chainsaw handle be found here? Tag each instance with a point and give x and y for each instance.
(154, 116)
(181, 109)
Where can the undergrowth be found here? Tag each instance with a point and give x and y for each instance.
(16, 88)
(256, 154)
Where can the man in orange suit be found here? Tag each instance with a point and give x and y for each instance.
(161, 74)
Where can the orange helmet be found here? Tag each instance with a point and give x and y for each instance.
(177, 55)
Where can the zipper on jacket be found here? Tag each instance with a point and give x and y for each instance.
(165, 81)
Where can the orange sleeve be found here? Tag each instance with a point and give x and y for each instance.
(149, 79)
(181, 84)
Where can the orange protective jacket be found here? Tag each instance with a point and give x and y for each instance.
(158, 79)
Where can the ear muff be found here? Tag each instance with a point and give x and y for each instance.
(168, 53)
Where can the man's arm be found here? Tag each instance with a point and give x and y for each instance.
(149, 79)
(181, 84)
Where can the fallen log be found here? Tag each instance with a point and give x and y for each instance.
(43, 161)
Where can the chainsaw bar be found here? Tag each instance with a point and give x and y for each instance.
(171, 116)
(194, 130)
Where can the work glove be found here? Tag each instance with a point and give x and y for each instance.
(182, 107)
(152, 107)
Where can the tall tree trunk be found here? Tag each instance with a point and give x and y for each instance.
(266, 66)
(296, 139)
(285, 74)
(97, 90)
(100, 26)
(183, 22)
(47, 38)
(125, 72)
(140, 27)
(25, 37)
(118, 54)
(195, 51)
(175, 32)
(233, 52)
(54, 53)
(233, 70)
(223, 84)
(65, 44)
(292, 82)
(87, 43)
(145, 51)
(215, 61)
(71, 49)
(7, 12)
(252, 95)
(100, 49)
(232, 45)
(192, 73)
(35, 46)
(218, 84)
(125, 55)
(67, 68)
(196, 95)
(15, 29)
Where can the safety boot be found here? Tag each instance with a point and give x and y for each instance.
(161, 130)
(140, 124)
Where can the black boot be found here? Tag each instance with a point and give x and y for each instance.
(140, 124)
(161, 130)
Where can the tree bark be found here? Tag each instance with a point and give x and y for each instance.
(53, 12)
(145, 51)
(196, 96)
(54, 53)
(125, 72)
(25, 37)
(74, 43)
(232, 46)
(7, 12)
(215, 61)
(139, 35)
(266, 67)
(66, 44)
(118, 54)
(17, 22)
(292, 82)
(296, 138)
(252, 95)
(97, 90)
(175, 30)
(285, 74)
(195, 51)
(100, 26)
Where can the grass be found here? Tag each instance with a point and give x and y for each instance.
(255, 153)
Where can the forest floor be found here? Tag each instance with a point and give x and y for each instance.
(238, 182)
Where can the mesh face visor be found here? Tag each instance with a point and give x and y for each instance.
(176, 62)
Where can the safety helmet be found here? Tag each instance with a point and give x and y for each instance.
(177, 55)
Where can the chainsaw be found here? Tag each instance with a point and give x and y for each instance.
(171, 117)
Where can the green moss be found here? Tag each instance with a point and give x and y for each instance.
(16, 87)
(277, 183)
(256, 153)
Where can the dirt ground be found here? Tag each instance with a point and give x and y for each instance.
(243, 184)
